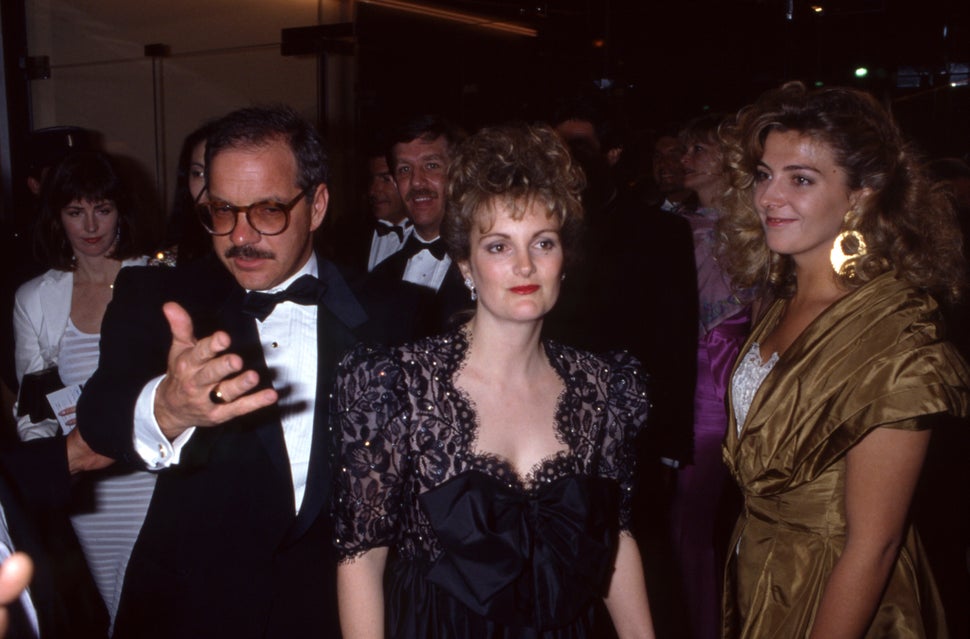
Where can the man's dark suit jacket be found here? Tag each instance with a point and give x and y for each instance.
(349, 241)
(221, 553)
(648, 305)
(425, 311)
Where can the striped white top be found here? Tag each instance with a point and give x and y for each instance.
(109, 517)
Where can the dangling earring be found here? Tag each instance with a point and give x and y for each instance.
(848, 246)
(470, 285)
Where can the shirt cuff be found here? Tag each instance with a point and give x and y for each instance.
(151, 444)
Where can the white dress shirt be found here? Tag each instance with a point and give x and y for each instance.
(289, 337)
(384, 246)
(424, 269)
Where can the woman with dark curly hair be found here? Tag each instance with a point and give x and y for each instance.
(831, 216)
(86, 232)
(485, 475)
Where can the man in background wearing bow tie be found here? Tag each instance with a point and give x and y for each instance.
(217, 377)
(392, 227)
(420, 153)
(363, 241)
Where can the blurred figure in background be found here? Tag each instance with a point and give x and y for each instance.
(724, 319)
(186, 235)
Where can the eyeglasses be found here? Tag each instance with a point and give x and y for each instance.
(267, 217)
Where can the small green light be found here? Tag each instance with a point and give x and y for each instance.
(819, 83)
(861, 72)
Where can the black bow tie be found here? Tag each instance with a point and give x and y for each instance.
(306, 290)
(385, 229)
(414, 246)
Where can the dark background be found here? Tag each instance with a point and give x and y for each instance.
(668, 61)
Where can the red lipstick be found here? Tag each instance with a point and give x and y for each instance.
(525, 290)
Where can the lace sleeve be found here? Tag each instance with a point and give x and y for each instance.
(369, 425)
(628, 405)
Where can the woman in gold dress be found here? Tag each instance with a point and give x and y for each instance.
(831, 216)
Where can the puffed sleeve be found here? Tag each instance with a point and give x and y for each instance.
(27, 350)
(29, 356)
(627, 406)
(370, 420)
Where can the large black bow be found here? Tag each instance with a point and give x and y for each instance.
(524, 559)
(306, 290)
(414, 246)
(386, 229)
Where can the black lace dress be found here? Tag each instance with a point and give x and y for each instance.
(477, 551)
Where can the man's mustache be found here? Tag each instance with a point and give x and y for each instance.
(422, 193)
(249, 252)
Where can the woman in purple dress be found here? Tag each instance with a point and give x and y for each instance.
(724, 321)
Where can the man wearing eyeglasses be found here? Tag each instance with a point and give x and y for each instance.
(227, 386)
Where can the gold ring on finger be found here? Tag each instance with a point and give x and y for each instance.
(216, 396)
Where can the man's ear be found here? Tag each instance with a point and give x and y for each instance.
(318, 207)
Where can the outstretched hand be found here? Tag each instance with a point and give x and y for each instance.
(196, 368)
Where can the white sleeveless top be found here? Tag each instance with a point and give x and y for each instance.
(78, 356)
(108, 528)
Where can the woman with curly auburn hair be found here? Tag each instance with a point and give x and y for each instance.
(831, 216)
(485, 475)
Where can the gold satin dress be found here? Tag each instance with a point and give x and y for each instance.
(874, 358)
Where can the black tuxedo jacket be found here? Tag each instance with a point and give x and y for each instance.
(642, 297)
(351, 243)
(221, 553)
(423, 311)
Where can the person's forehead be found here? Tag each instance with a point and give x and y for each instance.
(572, 127)
(198, 152)
(253, 173)
(270, 159)
(377, 165)
(84, 200)
(420, 148)
(668, 144)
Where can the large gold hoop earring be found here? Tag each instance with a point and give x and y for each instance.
(848, 246)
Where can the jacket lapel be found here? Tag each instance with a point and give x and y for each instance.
(337, 317)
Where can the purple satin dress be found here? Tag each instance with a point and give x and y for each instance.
(701, 484)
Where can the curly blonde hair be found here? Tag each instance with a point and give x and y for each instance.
(515, 165)
(908, 222)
